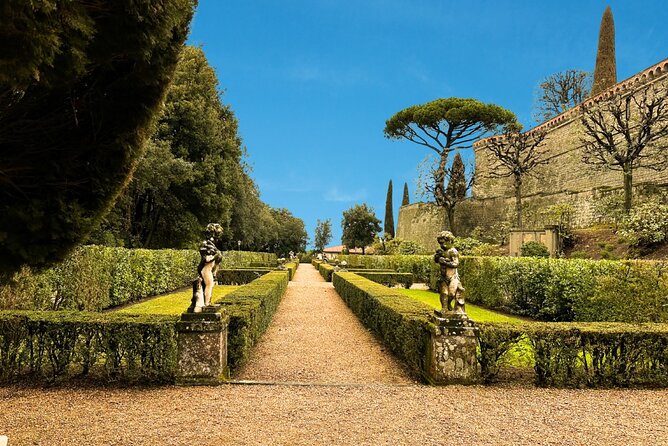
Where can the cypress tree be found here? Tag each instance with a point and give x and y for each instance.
(389, 214)
(406, 201)
(605, 72)
(455, 192)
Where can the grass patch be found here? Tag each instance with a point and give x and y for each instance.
(174, 303)
(476, 313)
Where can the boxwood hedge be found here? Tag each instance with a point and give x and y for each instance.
(57, 345)
(250, 309)
(569, 289)
(94, 278)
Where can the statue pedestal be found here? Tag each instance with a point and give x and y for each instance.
(452, 358)
(202, 348)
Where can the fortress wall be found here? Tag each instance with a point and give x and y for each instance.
(421, 222)
(566, 179)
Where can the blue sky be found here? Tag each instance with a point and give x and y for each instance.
(313, 81)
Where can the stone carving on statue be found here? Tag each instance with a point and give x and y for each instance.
(210, 258)
(450, 289)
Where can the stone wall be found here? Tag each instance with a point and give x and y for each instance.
(421, 222)
(566, 179)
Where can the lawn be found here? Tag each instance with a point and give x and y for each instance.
(174, 303)
(476, 313)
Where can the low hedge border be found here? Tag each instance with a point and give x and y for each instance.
(240, 276)
(401, 322)
(581, 354)
(57, 345)
(251, 309)
(389, 279)
(418, 265)
(326, 270)
(292, 269)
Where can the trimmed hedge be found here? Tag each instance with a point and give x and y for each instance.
(292, 269)
(326, 270)
(418, 265)
(94, 278)
(401, 322)
(568, 289)
(240, 276)
(581, 354)
(54, 346)
(251, 308)
(388, 279)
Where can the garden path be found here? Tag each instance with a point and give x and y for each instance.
(315, 338)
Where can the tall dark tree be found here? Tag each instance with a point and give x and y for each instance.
(626, 131)
(360, 226)
(323, 234)
(80, 85)
(560, 92)
(389, 212)
(457, 188)
(516, 155)
(605, 72)
(191, 170)
(444, 125)
(406, 199)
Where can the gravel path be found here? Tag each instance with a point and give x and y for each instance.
(337, 415)
(315, 338)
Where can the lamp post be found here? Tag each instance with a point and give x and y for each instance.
(239, 252)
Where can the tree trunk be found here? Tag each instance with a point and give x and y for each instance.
(628, 188)
(451, 219)
(518, 202)
(362, 250)
(439, 179)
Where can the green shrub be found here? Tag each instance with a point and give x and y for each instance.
(402, 323)
(292, 269)
(112, 347)
(251, 308)
(646, 224)
(581, 354)
(326, 271)
(94, 278)
(418, 265)
(534, 249)
(239, 276)
(389, 279)
(579, 255)
(568, 289)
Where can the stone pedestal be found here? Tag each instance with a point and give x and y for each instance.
(202, 348)
(452, 358)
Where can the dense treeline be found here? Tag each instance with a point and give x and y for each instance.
(80, 85)
(193, 173)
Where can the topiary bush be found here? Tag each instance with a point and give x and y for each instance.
(534, 249)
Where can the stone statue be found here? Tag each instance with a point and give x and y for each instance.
(206, 270)
(449, 287)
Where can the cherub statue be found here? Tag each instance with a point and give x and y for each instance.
(206, 270)
(449, 287)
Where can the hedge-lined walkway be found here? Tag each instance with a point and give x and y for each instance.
(315, 338)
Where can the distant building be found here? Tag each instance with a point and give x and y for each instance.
(333, 251)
